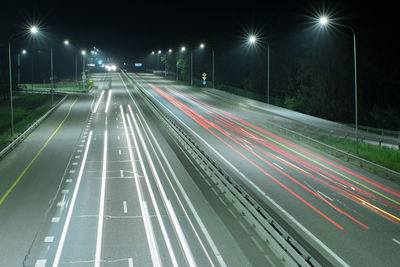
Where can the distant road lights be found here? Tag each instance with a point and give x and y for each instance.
(83, 52)
(66, 42)
(152, 52)
(201, 45)
(159, 52)
(183, 49)
(169, 50)
(323, 20)
(24, 52)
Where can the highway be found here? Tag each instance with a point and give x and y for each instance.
(110, 188)
(343, 212)
(102, 183)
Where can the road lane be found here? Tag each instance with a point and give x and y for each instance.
(137, 203)
(24, 209)
(361, 207)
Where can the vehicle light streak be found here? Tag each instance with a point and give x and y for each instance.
(155, 257)
(208, 124)
(233, 126)
(167, 203)
(108, 100)
(98, 102)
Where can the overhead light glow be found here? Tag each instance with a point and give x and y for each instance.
(66, 42)
(183, 49)
(33, 29)
(83, 52)
(252, 39)
(24, 51)
(323, 20)
(201, 45)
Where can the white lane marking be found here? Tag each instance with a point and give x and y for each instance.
(68, 180)
(152, 197)
(118, 137)
(125, 207)
(151, 242)
(396, 241)
(101, 207)
(325, 196)
(277, 165)
(72, 205)
(41, 263)
(55, 219)
(170, 210)
(121, 173)
(98, 102)
(185, 196)
(48, 239)
(108, 100)
(64, 191)
(119, 151)
(305, 230)
(60, 204)
(74, 163)
(72, 171)
(130, 262)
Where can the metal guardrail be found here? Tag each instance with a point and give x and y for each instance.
(274, 236)
(20, 138)
(348, 156)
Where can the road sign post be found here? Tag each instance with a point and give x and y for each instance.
(204, 76)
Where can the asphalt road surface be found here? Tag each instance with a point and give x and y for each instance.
(342, 212)
(99, 183)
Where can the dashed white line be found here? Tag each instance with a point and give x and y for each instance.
(125, 207)
(396, 241)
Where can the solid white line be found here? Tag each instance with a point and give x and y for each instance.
(151, 242)
(71, 206)
(101, 207)
(325, 196)
(108, 100)
(396, 241)
(130, 262)
(98, 102)
(125, 207)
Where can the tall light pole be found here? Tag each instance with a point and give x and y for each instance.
(253, 40)
(33, 30)
(325, 21)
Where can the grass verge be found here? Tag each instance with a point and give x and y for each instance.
(27, 109)
(384, 156)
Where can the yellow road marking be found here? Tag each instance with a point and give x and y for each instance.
(37, 155)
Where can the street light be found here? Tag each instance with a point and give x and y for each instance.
(324, 21)
(83, 52)
(33, 30)
(253, 41)
(23, 52)
(66, 42)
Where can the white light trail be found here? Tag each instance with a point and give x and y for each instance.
(108, 100)
(98, 102)
(167, 203)
(147, 224)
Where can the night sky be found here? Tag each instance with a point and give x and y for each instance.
(134, 28)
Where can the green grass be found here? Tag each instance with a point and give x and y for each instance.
(61, 86)
(27, 109)
(384, 156)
